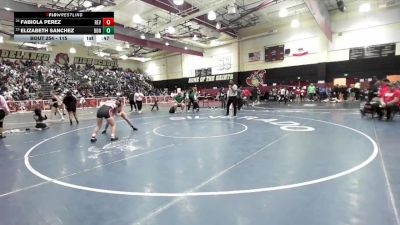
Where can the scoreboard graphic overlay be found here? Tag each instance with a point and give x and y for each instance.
(64, 26)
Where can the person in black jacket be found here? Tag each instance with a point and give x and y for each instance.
(132, 101)
(70, 103)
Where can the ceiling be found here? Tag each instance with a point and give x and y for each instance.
(190, 19)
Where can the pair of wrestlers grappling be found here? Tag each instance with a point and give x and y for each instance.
(107, 111)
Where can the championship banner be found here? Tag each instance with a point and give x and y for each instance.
(274, 53)
(12, 54)
(212, 78)
(95, 62)
(222, 63)
(203, 72)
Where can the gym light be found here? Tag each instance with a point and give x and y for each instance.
(211, 15)
(295, 23)
(283, 12)
(142, 36)
(340, 5)
(124, 57)
(166, 43)
(214, 42)
(137, 19)
(157, 35)
(232, 9)
(186, 48)
(171, 30)
(1, 39)
(118, 48)
(195, 38)
(99, 7)
(218, 25)
(365, 7)
(8, 9)
(72, 50)
(178, 2)
(87, 4)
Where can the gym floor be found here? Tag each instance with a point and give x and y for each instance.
(305, 164)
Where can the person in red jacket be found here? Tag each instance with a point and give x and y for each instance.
(390, 100)
(384, 87)
(246, 96)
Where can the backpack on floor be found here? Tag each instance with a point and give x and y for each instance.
(172, 109)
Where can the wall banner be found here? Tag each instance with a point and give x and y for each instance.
(254, 56)
(253, 78)
(95, 62)
(203, 72)
(212, 78)
(34, 56)
(274, 53)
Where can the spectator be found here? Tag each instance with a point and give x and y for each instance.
(4, 111)
(311, 92)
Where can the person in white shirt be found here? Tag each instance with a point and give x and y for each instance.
(139, 100)
(232, 97)
(4, 111)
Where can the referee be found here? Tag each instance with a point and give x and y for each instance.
(232, 97)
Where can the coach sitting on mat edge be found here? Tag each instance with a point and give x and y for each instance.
(389, 101)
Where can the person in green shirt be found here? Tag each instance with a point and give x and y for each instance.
(311, 91)
(179, 101)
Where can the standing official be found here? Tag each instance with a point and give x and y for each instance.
(139, 100)
(232, 97)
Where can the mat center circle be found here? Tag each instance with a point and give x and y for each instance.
(200, 129)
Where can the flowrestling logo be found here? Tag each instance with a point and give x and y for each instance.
(283, 125)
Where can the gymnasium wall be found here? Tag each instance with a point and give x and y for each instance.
(221, 60)
(325, 71)
(349, 30)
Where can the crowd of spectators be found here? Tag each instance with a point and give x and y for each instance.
(23, 80)
(312, 92)
(19, 78)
